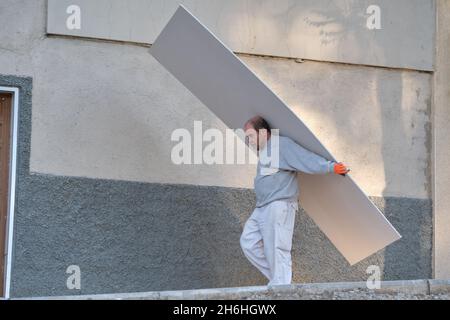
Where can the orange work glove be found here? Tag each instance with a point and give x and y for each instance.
(340, 168)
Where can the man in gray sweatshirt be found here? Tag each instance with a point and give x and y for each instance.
(267, 236)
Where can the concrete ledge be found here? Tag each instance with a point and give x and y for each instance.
(387, 287)
(407, 289)
(439, 286)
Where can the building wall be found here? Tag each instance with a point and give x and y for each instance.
(313, 29)
(97, 189)
(441, 147)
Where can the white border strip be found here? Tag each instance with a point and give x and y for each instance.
(12, 186)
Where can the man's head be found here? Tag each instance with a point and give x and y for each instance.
(257, 132)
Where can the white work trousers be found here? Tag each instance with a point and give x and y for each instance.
(267, 240)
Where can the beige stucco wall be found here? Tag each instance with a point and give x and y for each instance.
(107, 110)
(376, 120)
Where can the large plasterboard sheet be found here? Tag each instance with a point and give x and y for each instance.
(218, 78)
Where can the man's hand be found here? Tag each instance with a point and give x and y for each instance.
(340, 168)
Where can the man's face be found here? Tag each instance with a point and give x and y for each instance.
(254, 139)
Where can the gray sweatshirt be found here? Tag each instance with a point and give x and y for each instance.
(279, 181)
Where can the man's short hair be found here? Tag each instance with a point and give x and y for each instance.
(259, 123)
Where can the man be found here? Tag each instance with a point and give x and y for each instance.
(267, 236)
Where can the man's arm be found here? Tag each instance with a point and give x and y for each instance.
(296, 158)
